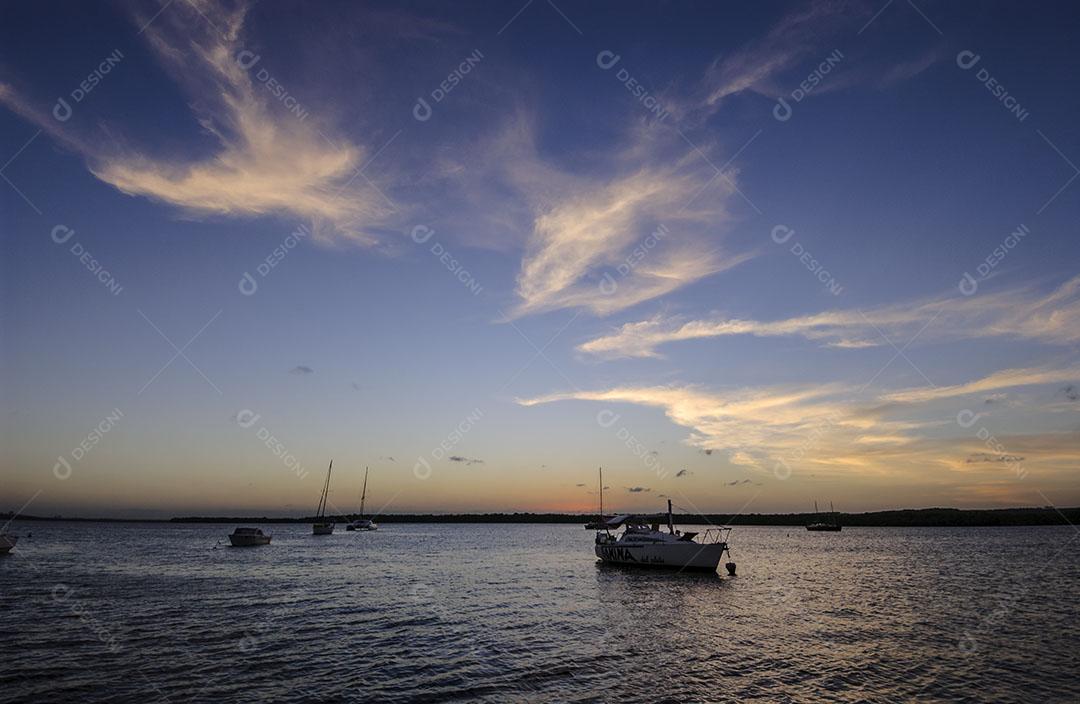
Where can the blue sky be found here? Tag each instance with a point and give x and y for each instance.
(719, 250)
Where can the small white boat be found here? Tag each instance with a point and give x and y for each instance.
(362, 523)
(322, 526)
(248, 537)
(644, 545)
(7, 542)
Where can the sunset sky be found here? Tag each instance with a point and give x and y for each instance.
(745, 256)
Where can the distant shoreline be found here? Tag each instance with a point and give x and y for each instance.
(924, 517)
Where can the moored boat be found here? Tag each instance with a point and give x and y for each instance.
(645, 545)
(642, 544)
(830, 523)
(362, 523)
(248, 537)
(322, 525)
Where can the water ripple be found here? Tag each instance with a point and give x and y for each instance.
(138, 613)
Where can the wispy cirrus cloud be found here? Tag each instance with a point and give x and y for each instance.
(1003, 379)
(837, 427)
(1052, 318)
(754, 422)
(574, 256)
(638, 224)
(265, 159)
(794, 38)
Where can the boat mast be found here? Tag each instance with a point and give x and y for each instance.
(670, 524)
(363, 494)
(601, 517)
(326, 489)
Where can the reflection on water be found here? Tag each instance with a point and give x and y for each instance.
(152, 612)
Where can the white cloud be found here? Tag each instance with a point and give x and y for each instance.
(639, 225)
(1003, 379)
(795, 37)
(1052, 318)
(751, 424)
(835, 427)
(617, 244)
(267, 159)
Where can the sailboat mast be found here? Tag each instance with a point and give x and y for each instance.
(325, 491)
(601, 517)
(363, 494)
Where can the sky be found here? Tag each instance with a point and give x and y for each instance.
(742, 256)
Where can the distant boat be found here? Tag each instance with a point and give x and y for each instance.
(248, 537)
(830, 523)
(7, 542)
(645, 545)
(323, 526)
(362, 523)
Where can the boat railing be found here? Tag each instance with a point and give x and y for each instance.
(714, 535)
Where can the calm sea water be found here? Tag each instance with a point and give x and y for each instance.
(150, 612)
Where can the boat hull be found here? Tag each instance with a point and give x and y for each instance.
(6, 543)
(688, 556)
(248, 541)
(826, 528)
(322, 529)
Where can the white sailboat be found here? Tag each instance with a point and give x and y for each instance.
(362, 523)
(644, 545)
(323, 526)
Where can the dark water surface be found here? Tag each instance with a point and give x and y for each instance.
(96, 612)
